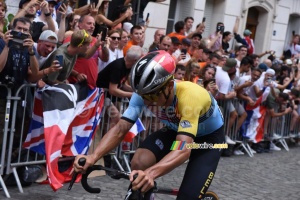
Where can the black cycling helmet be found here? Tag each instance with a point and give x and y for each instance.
(152, 72)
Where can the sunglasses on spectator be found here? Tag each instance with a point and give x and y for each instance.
(86, 35)
(115, 38)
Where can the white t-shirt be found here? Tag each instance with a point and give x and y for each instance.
(113, 55)
(222, 80)
(248, 90)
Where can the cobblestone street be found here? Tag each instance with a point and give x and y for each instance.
(266, 176)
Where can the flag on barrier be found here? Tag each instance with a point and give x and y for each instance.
(253, 127)
(135, 129)
(70, 116)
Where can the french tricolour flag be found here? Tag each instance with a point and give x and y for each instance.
(135, 129)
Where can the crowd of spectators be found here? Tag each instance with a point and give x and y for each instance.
(54, 29)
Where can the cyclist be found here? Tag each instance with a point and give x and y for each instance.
(190, 114)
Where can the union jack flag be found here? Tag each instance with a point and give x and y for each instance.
(64, 121)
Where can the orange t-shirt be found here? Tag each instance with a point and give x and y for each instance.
(202, 64)
(128, 45)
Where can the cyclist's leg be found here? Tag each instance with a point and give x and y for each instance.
(153, 149)
(201, 168)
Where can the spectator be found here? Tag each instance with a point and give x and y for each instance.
(114, 78)
(240, 54)
(227, 36)
(72, 24)
(179, 72)
(179, 31)
(274, 100)
(192, 71)
(79, 44)
(223, 83)
(157, 35)
(27, 8)
(251, 48)
(18, 63)
(43, 18)
(207, 74)
(123, 11)
(183, 52)
(293, 47)
(114, 52)
(216, 37)
(195, 42)
(86, 67)
(165, 43)
(3, 10)
(124, 40)
(188, 24)
(136, 34)
(45, 46)
(100, 15)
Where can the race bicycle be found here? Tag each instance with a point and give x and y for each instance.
(117, 174)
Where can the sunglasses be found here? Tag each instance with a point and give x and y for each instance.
(115, 38)
(153, 96)
(86, 35)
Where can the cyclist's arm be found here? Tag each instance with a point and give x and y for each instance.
(111, 139)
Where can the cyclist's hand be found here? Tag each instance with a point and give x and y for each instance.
(81, 169)
(144, 181)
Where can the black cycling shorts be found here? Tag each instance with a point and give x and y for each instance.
(202, 162)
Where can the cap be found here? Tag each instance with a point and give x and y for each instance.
(263, 67)
(230, 63)
(186, 41)
(22, 2)
(52, 1)
(288, 61)
(175, 40)
(270, 71)
(46, 34)
(247, 32)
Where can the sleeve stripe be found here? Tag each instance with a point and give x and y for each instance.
(128, 120)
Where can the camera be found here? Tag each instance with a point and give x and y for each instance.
(17, 41)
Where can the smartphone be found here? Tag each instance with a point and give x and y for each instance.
(60, 59)
(104, 33)
(147, 17)
(200, 81)
(184, 51)
(203, 20)
(220, 28)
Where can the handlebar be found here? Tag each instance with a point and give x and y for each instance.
(116, 173)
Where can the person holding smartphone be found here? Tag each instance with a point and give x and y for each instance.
(216, 37)
(86, 66)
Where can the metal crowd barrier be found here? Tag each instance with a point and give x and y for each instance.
(11, 157)
(4, 134)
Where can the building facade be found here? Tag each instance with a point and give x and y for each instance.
(272, 22)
